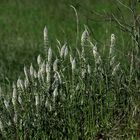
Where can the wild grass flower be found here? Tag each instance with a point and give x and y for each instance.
(55, 93)
(71, 59)
(15, 118)
(113, 40)
(6, 103)
(31, 71)
(46, 41)
(49, 55)
(43, 68)
(39, 60)
(14, 97)
(73, 64)
(84, 37)
(26, 83)
(62, 52)
(36, 99)
(66, 52)
(89, 69)
(20, 84)
(55, 65)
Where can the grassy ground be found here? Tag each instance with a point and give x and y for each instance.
(102, 105)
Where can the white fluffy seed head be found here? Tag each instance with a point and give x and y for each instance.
(89, 69)
(55, 65)
(20, 84)
(48, 68)
(83, 73)
(111, 51)
(71, 59)
(39, 60)
(66, 51)
(84, 37)
(62, 52)
(14, 97)
(26, 83)
(113, 39)
(55, 92)
(45, 33)
(35, 74)
(6, 103)
(43, 67)
(49, 55)
(31, 71)
(14, 91)
(15, 118)
(73, 64)
(36, 100)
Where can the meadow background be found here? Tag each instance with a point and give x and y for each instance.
(21, 41)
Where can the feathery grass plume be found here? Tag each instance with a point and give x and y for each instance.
(48, 72)
(73, 64)
(31, 72)
(55, 65)
(96, 54)
(6, 103)
(84, 73)
(35, 74)
(55, 93)
(62, 52)
(43, 68)
(14, 97)
(46, 41)
(39, 77)
(89, 69)
(49, 55)
(71, 59)
(39, 60)
(36, 99)
(112, 44)
(66, 52)
(26, 83)
(15, 118)
(116, 68)
(84, 37)
(20, 84)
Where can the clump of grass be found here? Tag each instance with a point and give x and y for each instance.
(72, 95)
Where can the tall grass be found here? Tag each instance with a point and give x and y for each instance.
(73, 94)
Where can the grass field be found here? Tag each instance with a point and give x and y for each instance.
(85, 89)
